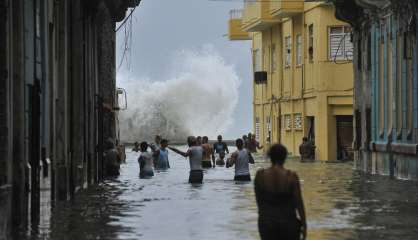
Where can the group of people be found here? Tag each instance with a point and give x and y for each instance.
(156, 159)
(200, 155)
(277, 189)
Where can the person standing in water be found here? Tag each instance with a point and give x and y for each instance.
(162, 156)
(208, 154)
(145, 160)
(112, 159)
(253, 144)
(195, 154)
(241, 159)
(136, 147)
(279, 197)
(220, 148)
(199, 140)
(155, 147)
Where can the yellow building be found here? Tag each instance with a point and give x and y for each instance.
(303, 74)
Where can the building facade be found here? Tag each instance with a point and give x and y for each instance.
(303, 79)
(58, 102)
(385, 67)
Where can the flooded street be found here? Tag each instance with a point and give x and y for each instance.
(341, 204)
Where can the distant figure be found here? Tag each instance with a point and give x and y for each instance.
(253, 144)
(199, 140)
(279, 197)
(195, 154)
(155, 147)
(161, 154)
(241, 159)
(136, 147)
(245, 139)
(208, 154)
(306, 150)
(221, 149)
(112, 159)
(146, 162)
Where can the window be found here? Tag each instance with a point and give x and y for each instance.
(340, 45)
(257, 60)
(288, 51)
(273, 61)
(311, 42)
(268, 133)
(257, 128)
(298, 49)
(298, 121)
(287, 122)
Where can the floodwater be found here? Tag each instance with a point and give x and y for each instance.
(341, 204)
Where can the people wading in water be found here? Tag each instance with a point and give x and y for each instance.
(162, 156)
(208, 154)
(241, 159)
(195, 154)
(279, 197)
(145, 160)
(220, 148)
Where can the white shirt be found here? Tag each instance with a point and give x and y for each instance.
(146, 158)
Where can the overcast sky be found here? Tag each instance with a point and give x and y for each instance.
(163, 27)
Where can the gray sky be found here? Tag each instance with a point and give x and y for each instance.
(162, 27)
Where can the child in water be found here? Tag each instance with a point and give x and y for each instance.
(145, 160)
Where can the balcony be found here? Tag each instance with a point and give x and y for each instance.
(235, 26)
(288, 8)
(256, 16)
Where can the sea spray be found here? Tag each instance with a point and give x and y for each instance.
(199, 99)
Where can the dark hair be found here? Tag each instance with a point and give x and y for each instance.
(219, 136)
(239, 142)
(164, 141)
(305, 139)
(144, 146)
(277, 154)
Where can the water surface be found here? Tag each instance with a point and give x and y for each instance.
(341, 204)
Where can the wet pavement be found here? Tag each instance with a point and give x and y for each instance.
(341, 204)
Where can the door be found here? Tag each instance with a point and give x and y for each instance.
(344, 137)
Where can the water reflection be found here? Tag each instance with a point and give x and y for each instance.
(341, 204)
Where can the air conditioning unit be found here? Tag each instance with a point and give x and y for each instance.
(260, 77)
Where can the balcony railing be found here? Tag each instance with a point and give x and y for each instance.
(235, 14)
(257, 16)
(286, 8)
(235, 26)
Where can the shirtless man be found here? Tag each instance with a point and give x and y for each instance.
(220, 148)
(253, 144)
(208, 154)
(195, 154)
(241, 159)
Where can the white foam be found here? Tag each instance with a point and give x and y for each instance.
(199, 99)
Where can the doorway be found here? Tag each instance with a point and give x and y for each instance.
(344, 137)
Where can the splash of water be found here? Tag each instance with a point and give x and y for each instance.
(199, 100)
